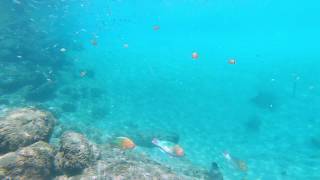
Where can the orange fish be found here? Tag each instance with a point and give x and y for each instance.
(169, 147)
(124, 143)
(178, 151)
(232, 61)
(195, 55)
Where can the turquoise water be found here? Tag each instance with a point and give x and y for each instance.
(264, 109)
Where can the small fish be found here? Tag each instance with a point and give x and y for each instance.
(169, 147)
(83, 73)
(94, 42)
(238, 164)
(156, 28)
(124, 143)
(232, 61)
(195, 55)
(125, 45)
(63, 50)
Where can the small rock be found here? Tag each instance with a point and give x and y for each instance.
(24, 126)
(31, 162)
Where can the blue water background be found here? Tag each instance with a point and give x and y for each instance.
(155, 83)
(264, 109)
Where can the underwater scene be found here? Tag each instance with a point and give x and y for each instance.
(159, 90)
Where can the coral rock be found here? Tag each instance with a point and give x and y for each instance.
(22, 127)
(116, 164)
(31, 162)
(76, 153)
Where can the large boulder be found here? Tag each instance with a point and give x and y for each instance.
(24, 126)
(31, 162)
(76, 153)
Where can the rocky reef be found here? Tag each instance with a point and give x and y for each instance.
(118, 164)
(76, 153)
(26, 154)
(31, 62)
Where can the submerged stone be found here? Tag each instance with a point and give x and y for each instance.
(31, 162)
(76, 153)
(24, 126)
